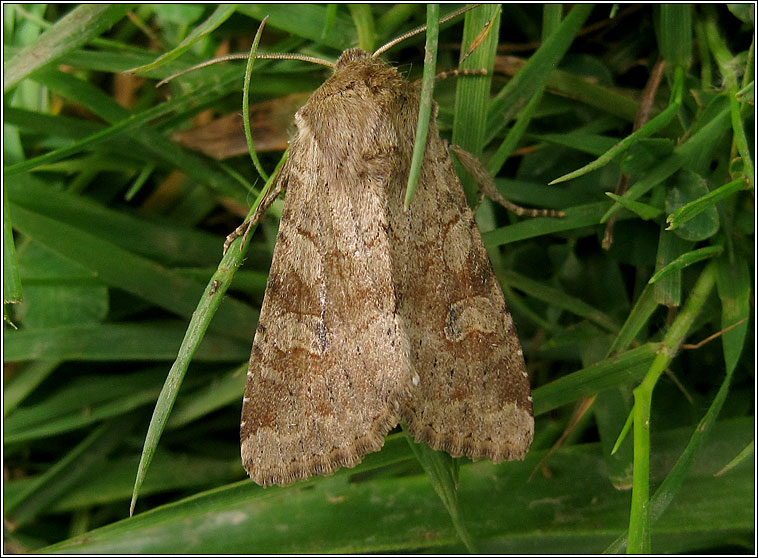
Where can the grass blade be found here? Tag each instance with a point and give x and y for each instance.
(687, 259)
(533, 76)
(442, 471)
(70, 469)
(425, 106)
(81, 25)
(639, 515)
(201, 318)
(246, 101)
(219, 16)
(695, 207)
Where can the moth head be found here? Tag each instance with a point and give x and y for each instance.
(349, 56)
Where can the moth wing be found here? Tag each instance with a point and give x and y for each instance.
(330, 362)
(473, 397)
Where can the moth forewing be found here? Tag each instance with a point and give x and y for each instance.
(373, 314)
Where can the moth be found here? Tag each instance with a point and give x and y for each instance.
(373, 314)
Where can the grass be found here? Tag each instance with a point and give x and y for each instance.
(115, 258)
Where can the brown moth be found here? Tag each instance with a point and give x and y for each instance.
(374, 314)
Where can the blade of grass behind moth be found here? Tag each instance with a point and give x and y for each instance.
(329, 17)
(397, 16)
(740, 139)
(576, 217)
(246, 101)
(306, 21)
(724, 59)
(442, 471)
(472, 93)
(638, 317)
(425, 107)
(122, 268)
(551, 17)
(747, 452)
(78, 27)
(219, 16)
(364, 25)
(209, 302)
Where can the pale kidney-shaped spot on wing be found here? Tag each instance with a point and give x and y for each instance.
(456, 246)
(470, 315)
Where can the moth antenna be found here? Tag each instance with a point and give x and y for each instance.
(301, 57)
(240, 56)
(421, 29)
(456, 72)
(244, 56)
(487, 186)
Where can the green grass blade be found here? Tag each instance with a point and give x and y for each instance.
(557, 299)
(740, 139)
(157, 240)
(607, 373)
(307, 21)
(695, 207)
(129, 341)
(24, 383)
(442, 471)
(201, 318)
(576, 218)
(472, 93)
(241, 516)
(222, 392)
(735, 291)
(675, 34)
(551, 16)
(639, 515)
(363, 19)
(219, 16)
(670, 487)
(686, 259)
(122, 122)
(654, 126)
(642, 210)
(75, 421)
(638, 317)
(747, 453)
(70, 469)
(246, 102)
(533, 76)
(668, 291)
(425, 105)
(82, 24)
(11, 277)
(696, 148)
(119, 268)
